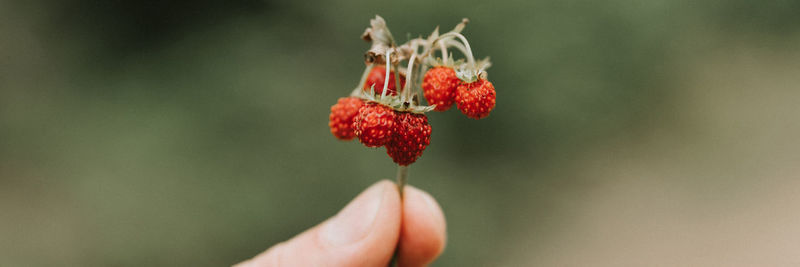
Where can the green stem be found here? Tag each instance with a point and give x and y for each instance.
(402, 178)
(458, 45)
(463, 39)
(396, 78)
(406, 95)
(443, 47)
(388, 69)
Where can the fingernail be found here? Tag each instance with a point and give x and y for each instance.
(355, 221)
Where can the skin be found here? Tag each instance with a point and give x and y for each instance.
(366, 233)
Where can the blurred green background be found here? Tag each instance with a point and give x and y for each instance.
(194, 133)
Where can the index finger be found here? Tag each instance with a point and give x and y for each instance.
(423, 232)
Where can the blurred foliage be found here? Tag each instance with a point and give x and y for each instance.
(195, 133)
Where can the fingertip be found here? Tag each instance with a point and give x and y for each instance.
(377, 247)
(364, 233)
(423, 234)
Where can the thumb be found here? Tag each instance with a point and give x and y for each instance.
(364, 233)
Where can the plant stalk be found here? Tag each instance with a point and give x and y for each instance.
(470, 58)
(396, 78)
(388, 72)
(402, 178)
(443, 47)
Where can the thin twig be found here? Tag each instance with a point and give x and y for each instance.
(402, 177)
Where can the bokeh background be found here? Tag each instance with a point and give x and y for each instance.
(194, 133)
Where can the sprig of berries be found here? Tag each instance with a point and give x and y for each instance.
(384, 110)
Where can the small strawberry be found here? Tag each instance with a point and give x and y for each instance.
(439, 86)
(376, 77)
(412, 134)
(342, 115)
(373, 125)
(476, 99)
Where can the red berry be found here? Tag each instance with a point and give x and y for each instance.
(412, 134)
(376, 76)
(373, 125)
(439, 86)
(342, 115)
(476, 99)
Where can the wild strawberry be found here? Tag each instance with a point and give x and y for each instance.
(376, 77)
(342, 115)
(412, 134)
(439, 86)
(373, 125)
(476, 99)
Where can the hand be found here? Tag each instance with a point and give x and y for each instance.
(366, 232)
